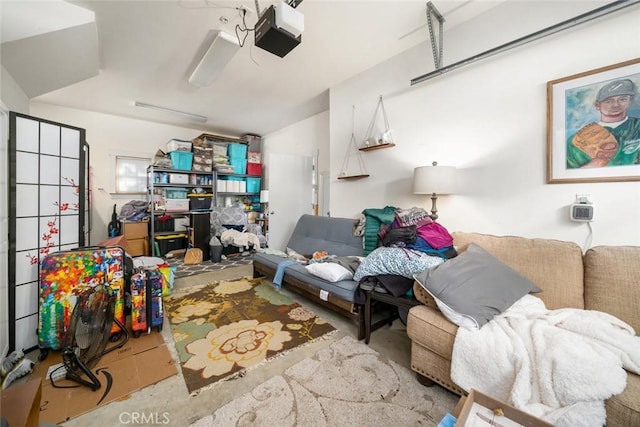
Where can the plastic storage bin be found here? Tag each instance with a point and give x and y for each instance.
(176, 193)
(161, 224)
(239, 165)
(179, 145)
(254, 169)
(176, 205)
(237, 151)
(253, 185)
(200, 202)
(170, 242)
(178, 178)
(181, 160)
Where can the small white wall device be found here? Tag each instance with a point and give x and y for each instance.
(582, 209)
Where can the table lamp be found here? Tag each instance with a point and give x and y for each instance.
(435, 180)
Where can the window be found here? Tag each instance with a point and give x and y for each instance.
(131, 174)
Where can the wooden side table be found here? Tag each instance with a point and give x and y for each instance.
(373, 296)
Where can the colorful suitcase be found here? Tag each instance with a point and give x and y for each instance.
(63, 275)
(147, 309)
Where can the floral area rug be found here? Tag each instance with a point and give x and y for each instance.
(346, 384)
(226, 327)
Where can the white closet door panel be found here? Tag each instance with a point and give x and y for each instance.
(70, 143)
(45, 203)
(49, 139)
(27, 168)
(70, 171)
(49, 232)
(27, 268)
(27, 135)
(49, 170)
(26, 200)
(69, 229)
(26, 299)
(49, 200)
(69, 201)
(69, 247)
(28, 336)
(27, 234)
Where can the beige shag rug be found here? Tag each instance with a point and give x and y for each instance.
(346, 384)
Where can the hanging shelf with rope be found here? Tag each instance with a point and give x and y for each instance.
(352, 149)
(385, 140)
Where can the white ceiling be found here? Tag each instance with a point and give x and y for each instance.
(146, 51)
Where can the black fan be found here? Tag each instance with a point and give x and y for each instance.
(88, 333)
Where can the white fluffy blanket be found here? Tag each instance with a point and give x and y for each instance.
(239, 239)
(559, 365)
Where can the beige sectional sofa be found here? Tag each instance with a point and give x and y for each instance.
(605, 278)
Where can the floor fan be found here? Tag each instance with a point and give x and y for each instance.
(88, 333)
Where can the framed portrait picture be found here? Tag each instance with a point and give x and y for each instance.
(593, 125)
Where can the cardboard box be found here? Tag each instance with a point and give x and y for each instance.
(21, 403)
(138, 247)
(141, 362)
(115, 241)
(479, 407)
(135, 230)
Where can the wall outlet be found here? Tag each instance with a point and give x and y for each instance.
(583, 198)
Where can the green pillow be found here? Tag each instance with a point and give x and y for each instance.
(473, 287)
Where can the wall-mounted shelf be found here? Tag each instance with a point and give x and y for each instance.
(378, 147)
(353, 177)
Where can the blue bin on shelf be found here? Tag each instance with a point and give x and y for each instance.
(237, 151)
(253, 185)
(239, 165)
(181, 160)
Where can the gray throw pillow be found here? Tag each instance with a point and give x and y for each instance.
(475, 286)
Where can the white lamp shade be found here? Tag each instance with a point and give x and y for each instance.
(434, 179)
(264, 196)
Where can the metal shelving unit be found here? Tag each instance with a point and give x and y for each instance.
(152, 185)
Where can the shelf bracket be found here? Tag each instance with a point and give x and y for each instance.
(436, 46)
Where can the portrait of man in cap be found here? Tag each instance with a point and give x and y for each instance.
(614, 139)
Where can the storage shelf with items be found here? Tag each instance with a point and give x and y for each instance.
(176, 197)
(193, 178)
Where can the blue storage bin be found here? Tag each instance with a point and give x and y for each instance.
(253, 185)
(237, 151)
(181, 160)
(239, 165)
(176, 193)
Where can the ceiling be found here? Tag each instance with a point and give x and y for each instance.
(104, 55)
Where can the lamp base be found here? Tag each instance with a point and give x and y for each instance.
(434, 210)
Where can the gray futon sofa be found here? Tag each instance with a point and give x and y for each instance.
(315, 234)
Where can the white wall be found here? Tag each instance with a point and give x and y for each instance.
(305, 138)
(11, 94)
(107, 134)
(489, 120)
(12, 98)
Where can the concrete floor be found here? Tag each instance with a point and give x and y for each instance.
(170, 397)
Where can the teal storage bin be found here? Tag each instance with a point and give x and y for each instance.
(181, 160)
(253, 185)
(176, 193)
(239, 165)
(237, 151)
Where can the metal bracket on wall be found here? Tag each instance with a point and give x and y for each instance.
(569, 23)
(436, 47)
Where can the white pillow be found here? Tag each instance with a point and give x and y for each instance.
(329, 271)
